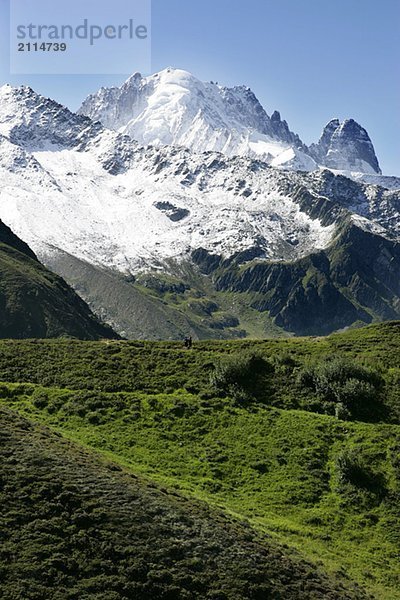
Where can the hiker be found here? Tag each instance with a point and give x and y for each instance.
(188, 342)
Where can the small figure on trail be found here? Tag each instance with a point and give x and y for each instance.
(188, 342)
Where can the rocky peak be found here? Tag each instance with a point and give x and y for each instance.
(276, 116)
(134, 79)
(173, 107)
(34, 122)
(327, 133)
(346, 146)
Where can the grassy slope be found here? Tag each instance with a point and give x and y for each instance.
(75, 526)
(150, 410)
(37, 303)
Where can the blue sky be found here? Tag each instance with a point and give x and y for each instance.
(310, 59)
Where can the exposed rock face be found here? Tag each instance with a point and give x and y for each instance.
(346, 146)
(356, 279)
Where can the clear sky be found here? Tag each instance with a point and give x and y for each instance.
(310, 59)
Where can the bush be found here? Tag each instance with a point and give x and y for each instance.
(341, 412)
(243, 376)
(352, 388)
(5, 391)
(355, 395)
(284, 362)
(353, 471)
(40, 398)
(8, 392)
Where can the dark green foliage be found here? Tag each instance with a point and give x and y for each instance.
(40, 398)
(244, 376)
(353, 388)
(354, 472)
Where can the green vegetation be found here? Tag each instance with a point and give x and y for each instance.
(301, 437)
(36, 303)
(351, 390)
(242, 376)
(161, 306)
(75, 526)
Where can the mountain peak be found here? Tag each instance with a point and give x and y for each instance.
(173, 107)
(133, 79)
(346, 146)
(34, 122)
(276, 116)
(333, 123)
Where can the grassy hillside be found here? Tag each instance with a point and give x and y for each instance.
(75, 526)
(36, 303)
(307, 449)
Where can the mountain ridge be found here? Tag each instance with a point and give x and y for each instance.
(72, 188)
(173, 107)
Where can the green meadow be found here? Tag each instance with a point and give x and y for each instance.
(297, 438)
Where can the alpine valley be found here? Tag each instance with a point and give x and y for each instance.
(226, 469)
(174, 206)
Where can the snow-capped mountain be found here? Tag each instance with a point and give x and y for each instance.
(175, 108)
(71, 187)
(347, 147)
(71, 184)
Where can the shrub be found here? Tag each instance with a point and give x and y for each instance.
(242, 376)
(40, 398)
(341, 412)
(5, 391)
(353, 471)
(355, 395)
(284, 362)
(354, 389)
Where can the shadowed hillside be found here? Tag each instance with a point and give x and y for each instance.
(36, 303)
